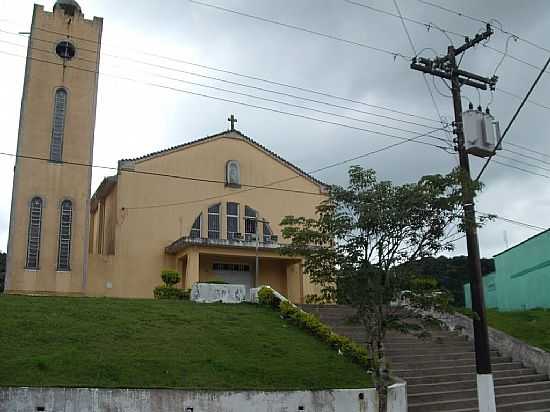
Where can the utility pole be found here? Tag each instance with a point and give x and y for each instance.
(258, 220)
(446, 67)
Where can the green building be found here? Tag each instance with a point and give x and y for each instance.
(522, 277)
(489, 291)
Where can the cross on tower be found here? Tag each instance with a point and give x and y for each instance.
(232, 119)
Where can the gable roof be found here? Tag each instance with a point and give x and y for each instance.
(102, 191)
(523, 242)
(232, 134)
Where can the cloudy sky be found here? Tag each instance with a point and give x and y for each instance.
(134, 118)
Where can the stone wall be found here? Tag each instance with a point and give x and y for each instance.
(135, 400)
(507, 345)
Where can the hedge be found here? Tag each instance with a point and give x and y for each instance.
(350, 349)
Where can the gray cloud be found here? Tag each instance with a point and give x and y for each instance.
(134, 119)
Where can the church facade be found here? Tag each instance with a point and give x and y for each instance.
(210, 209)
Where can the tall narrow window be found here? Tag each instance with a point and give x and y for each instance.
(35, 229)
(101, 227)
(58, 128)
(196, 228)
(214, 222)
(232, 220)
(267, 233)
(65, 228)
(250, 222)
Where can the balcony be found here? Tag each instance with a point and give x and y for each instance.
(248, 242)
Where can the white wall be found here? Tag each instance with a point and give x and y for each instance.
(104, 400)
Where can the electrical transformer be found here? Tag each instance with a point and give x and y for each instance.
(481, 132)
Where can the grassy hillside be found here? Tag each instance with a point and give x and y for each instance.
(52, 341)
(531, 326)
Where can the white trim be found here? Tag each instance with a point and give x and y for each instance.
(486, 393)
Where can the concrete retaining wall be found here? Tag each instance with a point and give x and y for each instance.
(507, 345)
(135, 400)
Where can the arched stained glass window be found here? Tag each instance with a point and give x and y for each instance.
(58, 128)
(65, 229)
(250, 223)
(232, 220)
(35, 229)
(196, 228)
(214, 222)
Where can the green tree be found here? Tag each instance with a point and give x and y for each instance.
(451, 272)
(358, 247)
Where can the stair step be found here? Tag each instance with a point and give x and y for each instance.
(512, 406)
(472, 393)
(528, 383)
(435, 356)
(453, 363)
(449, 374)
(440, 369)
(440, 406)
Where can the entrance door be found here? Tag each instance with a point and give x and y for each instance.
(234, 273)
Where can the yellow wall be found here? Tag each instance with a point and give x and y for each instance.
(54, 182)
(143, 230)
(128, 252)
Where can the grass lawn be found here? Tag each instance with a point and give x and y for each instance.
(86, 342)
(531, 326)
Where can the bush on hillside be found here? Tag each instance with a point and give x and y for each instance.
(170, 277)
(268, 298)
(353, 351)
(169, 292)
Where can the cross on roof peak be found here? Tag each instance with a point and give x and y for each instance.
(232, 119)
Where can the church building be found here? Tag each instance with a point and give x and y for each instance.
(210, 208)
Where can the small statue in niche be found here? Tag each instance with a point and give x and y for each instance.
(233, 173)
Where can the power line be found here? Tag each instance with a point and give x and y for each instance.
(267, 90)
(520, 169)
(275, 83)
(514, 117)
(158, 174)
(521, 162)
(316, 119)
(506, 219)
(476, 19)
(251, 87)
(413, 48)
(249, 187)
(271, 110)
(429, 25)
(517, 96)
(528, 149)
(302, 29)
(546, 162)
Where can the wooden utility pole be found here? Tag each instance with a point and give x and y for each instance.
(446, 67)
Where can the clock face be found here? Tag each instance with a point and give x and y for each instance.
(65, 50)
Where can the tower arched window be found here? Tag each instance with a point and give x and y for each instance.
(58, 127)
(65, 231)
(34, 234)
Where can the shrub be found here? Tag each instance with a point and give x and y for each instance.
(268, 298)
(170, 277)
(168, 292)
(313, 325)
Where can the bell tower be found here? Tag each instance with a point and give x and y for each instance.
(47, 246)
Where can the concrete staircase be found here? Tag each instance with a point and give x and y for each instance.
(440, 371)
